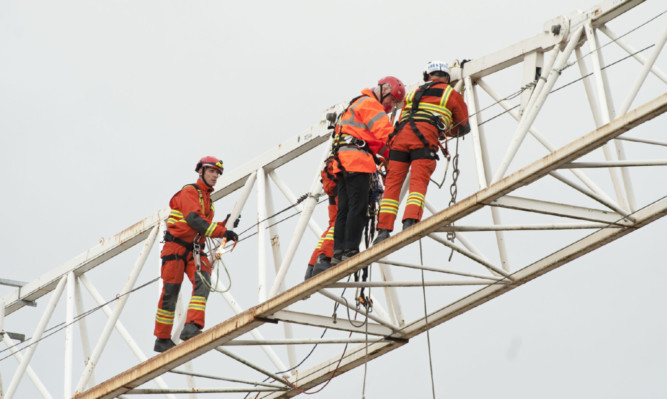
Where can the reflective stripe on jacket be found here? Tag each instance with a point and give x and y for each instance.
(440, 101)
(192, 213)
(365, 120)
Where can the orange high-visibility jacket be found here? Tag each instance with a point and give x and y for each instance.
(192, 213)
(365, 120)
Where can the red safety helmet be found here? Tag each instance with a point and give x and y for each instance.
(396, 87)
(209, 162)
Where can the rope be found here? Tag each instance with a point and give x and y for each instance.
(334, 315)
(63, 325)
(444, 176)
(347, 308)
(217, 271)
(296, 366)
(333, 374)
(603, 68)
(615, 40)
(298, 201)
(278, 222)
(363, 389)
(428, 335)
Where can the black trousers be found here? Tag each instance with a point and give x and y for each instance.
(352, 215)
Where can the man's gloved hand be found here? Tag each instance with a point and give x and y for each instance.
(463, 129)
(236, 222)
(230, 236)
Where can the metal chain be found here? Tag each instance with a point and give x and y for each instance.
(453, 190)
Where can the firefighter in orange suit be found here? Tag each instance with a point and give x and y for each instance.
(361, 132)
(190, 223)
(320, 260)
(432, 111)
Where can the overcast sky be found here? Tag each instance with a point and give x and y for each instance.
(105, 107)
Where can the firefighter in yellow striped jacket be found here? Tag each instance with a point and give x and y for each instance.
(430, 113)
(190, 223)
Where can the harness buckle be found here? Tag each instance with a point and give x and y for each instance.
(366, 302)
(196, 253)
(441, 126)
(349, 139)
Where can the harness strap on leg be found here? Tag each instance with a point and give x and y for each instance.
(399, 156)
(424, 153)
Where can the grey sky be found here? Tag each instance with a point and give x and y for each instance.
(105, 107)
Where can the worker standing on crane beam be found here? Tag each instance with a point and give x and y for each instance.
(360, 134)
(431, 112)
(190, 223)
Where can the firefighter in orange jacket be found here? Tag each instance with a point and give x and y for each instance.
(432, 111)
(361, 132)
(190, 223)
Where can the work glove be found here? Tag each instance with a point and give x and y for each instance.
(230, 236)
(236, 222)
(463, 129)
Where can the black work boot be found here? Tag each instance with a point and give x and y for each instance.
(323, 263)
(383, 234)
(162, 344)
(409, 223)
(337, 257)
(309, 272)
(189, 331)
(349, 253)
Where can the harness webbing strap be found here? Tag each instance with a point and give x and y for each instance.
(338, 135)
(410, 118)
(420, 153)
(189, 247)
(420, 93)
(201, 197)
(400, 156)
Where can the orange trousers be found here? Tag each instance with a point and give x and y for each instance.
(172, 277)
(420, 174)
(325, 244)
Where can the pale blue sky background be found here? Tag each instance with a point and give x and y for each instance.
(105, 107)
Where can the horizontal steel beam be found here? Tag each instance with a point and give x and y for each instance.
(559, 209)
(612, 164)
(297, 341)
(419, 284)
(340, 323)
(527, 227)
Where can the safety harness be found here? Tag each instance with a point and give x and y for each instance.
(194, 247)
(415, 114)
(347, 142)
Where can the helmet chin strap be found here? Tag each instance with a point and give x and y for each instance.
(382, 97)
(203, 178)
